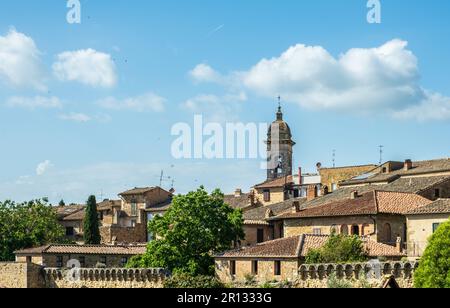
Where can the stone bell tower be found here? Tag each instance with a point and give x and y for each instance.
(279, 147)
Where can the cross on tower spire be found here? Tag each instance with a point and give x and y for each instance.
(279, 113)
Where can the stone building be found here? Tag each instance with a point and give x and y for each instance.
(121, 221)
(281, 259)
(377, 215)
(422, 223)
(332, 177)
(87, 256)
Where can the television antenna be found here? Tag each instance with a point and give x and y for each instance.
(381, 147)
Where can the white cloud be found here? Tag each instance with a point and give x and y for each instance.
(20, 63)
(34, 102)
(88, 67)
(216, 108)
(205, 73)
(43, 167)
(434, 107)
(385, 79)
(367, 79)
(149, 102)
(75, 117)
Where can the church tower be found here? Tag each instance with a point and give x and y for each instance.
(279, 148)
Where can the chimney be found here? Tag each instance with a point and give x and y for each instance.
(252, 198)
(399, 244)
(311, 193)
(408, 164)
(354, 195)
(295, 207)
(300, 178)
(238, 193)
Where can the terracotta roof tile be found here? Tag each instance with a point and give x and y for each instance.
(260, 212)
(239, 202)
(418, 168)
(441, 206)
(370, 203)
(276, 183)
(87, 250)
(137, 191)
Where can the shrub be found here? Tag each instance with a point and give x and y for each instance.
(185, 281)
(339, 249)
(434, 268)
(336, 283)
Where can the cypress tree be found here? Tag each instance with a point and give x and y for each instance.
(91, 224)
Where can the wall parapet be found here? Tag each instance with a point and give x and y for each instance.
(105, 278)
(404, 270)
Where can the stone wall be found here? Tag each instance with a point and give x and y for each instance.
(104, 278)
(20, 275)
(332, 176)
(357, 275)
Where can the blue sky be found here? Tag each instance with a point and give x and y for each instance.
(70, 127)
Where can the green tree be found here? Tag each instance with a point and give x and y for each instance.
(62, 203)
(27, 225)
(91, 224)
(434, 267)
(196, 227)
(339, 249)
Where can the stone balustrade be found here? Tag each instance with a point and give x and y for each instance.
(104, 278)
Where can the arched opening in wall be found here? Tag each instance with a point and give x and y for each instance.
(344, 230)
(387, 233)
(355, 230)
(365, 230)
(334, 230)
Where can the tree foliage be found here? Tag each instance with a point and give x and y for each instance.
(91, 224)
(196, 227)
(27, 225)
(339, 249)
(434, 268)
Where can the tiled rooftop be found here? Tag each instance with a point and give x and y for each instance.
(441, 206)
(86, 250)
(370, 203)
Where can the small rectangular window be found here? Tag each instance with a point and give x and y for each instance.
(260, 236)
(70, 231)
(124, 261)
(277, 268)
(437, 193)
(254, 267)
(133, 209)
(267, 195)
(82, 261)
(232, 268)
(59, 261)
(436, 227)
(103, 260)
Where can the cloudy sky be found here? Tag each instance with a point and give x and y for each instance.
(88, 108)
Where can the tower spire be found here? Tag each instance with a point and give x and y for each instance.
(279, 113)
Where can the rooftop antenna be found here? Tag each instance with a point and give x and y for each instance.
(163, 178)
(334, 158)
(381, 153)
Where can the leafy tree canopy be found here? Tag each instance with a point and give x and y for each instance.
(26, 225)
(196, 227)
(339, 249)
(434, 267)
